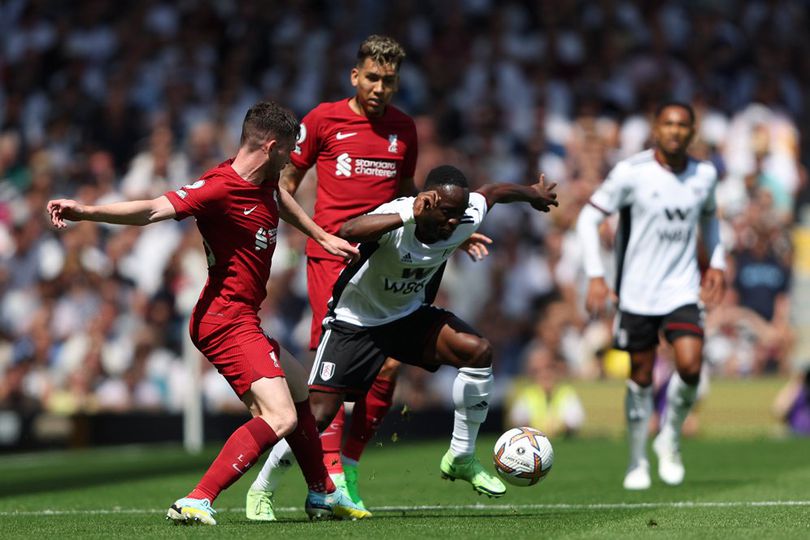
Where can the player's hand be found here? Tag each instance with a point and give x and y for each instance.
(714, 287)
(340, 247)
(597, 297)
(425, 202)
(544, 195)
(62, 209)
(476, 246)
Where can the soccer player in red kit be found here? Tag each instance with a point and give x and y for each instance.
(237, 206)
(364, 151)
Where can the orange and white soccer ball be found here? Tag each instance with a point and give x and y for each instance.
(523, 456)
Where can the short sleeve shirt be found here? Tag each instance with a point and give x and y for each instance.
(238, 222)
(359, 161)
(392, 277)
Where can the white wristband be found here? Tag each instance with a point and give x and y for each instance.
(406, 214)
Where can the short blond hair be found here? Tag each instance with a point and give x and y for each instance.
(383, 50)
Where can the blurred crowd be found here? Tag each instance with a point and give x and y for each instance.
(105, 101)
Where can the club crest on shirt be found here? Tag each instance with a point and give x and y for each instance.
(327, 370)
(392, 144)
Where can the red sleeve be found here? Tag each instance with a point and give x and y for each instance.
(409, 162)
(308, 143)
(201, 198)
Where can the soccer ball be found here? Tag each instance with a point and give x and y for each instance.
(523, 456)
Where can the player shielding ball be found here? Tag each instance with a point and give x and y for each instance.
(237, 206)
(364, 152)
(381, 307)
(663, 196)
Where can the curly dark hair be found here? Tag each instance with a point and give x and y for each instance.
(383, 50)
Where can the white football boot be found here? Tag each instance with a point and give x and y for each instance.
(638, 476)
(670, 466)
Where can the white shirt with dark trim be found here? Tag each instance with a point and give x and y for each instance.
(391, 283)
(657, 259)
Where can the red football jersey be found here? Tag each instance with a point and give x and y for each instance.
(238, 223)
(359, 161)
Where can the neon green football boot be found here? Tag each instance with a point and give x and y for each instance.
(469, 469)
(336, 505)
(259, 505)
(351, 473)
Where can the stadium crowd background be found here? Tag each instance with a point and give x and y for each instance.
(106, 101)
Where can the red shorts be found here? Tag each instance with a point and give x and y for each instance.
(239, 349)
(321, 277)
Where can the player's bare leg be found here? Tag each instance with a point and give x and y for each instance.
(323, 500)
(367, 416)
(638, 409)
(274, 416)
(681, 396)
(458, 345)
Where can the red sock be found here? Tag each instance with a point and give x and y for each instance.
(306, 445)
(330, 440)
(367, 415)
(240, 452)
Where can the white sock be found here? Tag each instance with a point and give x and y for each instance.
(638, 405)
(680, 400)
(471, 398)
(349, 461)
(280, 460)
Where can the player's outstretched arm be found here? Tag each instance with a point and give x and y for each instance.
(540, 195)
(290, 178)
(370, 227)
(291, 212)
(121, 213)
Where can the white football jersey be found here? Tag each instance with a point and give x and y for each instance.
(659, 211)
(397, 274)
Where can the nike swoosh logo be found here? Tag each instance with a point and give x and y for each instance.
(340, 136)
(246, 211)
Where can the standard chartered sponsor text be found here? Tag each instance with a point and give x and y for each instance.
(371, 167)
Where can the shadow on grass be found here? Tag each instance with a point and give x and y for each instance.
(51, 478)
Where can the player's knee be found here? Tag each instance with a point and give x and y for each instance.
(324, 408)
(480, 353)
(389, 370)
(641, 376)
(282, 422)
(690, 375)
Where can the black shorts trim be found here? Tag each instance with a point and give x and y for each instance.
(635, 333)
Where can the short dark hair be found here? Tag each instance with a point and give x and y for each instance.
(266, 119)
(446, 175)
(383, 50)
(673, 103)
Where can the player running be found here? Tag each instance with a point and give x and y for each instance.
(237, 206)
(662, 195)
(364, 151)
(380, 307)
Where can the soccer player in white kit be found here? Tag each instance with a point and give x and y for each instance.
(663, 196)
(381, 307)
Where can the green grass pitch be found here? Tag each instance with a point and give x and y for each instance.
(734, 488)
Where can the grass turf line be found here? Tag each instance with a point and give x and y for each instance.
(732, 488)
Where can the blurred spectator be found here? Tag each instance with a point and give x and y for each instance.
(103, 102)
(540, 399)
